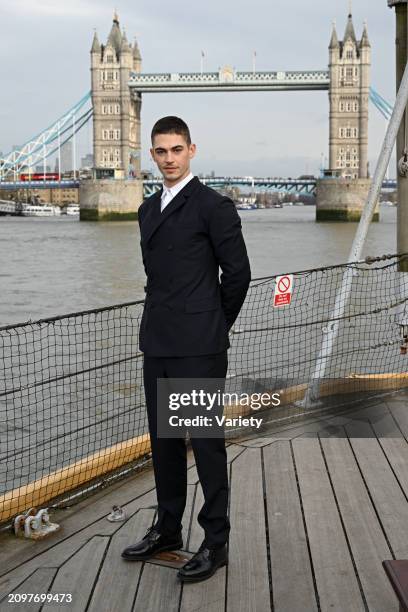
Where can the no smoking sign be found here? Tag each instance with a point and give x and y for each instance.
(283, 290)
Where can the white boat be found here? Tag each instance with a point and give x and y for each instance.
(245, 206)
(72, 209)
(7, 207)
(39, 210)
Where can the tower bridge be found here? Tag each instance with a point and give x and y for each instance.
(118, 85)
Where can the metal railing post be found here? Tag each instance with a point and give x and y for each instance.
(342, 298)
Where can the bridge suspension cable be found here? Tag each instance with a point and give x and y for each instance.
(42, 145)
(381, 104)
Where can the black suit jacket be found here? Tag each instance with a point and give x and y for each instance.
(188, 310)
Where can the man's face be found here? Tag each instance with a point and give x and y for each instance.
(172, 155)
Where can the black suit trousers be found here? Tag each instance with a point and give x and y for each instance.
(169, 454)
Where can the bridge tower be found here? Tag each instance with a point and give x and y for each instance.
(116, 189)
(349, 70)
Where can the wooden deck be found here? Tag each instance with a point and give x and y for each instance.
(314, 508)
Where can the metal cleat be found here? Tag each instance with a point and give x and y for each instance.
(20, 519)
(34, 526)
(117, 514)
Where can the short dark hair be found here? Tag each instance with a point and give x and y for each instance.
(171, 125)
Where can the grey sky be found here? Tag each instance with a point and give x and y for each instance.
(45, 69)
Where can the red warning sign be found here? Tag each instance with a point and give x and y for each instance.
(283, 290)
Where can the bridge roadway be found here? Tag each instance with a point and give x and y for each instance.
(290, 185)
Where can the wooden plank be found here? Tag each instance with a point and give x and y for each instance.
(336, 581)
(78, 574)
(367, 541)
(396, 450)
(39, 582)
(208, 595)
(383, 423)
(248, 581)
(287, 539)
(399, 410)
(387, 496)
(192, 476)
(196, 531)
(257, 442)
(116, 585)
(158, 589)
(233, 451)
(187, 515)
(393, 442)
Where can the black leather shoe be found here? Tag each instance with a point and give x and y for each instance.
(151, 544)
(203, 564)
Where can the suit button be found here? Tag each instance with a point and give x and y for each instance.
(170, 247)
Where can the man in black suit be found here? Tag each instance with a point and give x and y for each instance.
(187, 232)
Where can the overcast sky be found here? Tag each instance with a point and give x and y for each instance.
(45, 65)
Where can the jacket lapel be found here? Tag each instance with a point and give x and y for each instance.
(156, 218)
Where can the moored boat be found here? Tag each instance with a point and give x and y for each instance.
(39, 210)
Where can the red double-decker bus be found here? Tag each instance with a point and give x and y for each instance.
(40, 176)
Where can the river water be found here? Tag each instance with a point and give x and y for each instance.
(53, 266)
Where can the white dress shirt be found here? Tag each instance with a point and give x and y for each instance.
(170, 192)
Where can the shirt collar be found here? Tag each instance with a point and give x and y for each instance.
(174, 189)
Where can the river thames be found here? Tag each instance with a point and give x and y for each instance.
(54, 266)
